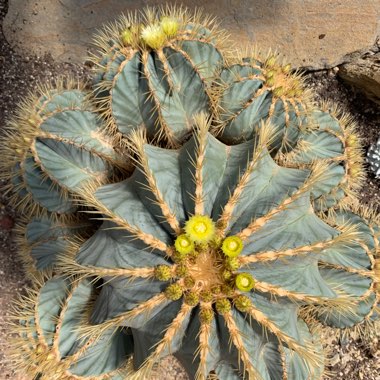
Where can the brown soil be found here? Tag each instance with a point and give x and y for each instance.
(350, 359)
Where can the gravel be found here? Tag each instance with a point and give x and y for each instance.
(350, 358)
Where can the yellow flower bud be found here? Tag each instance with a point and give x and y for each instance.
(244, 282)
(170, 26)
(206, 296)
(278, 92)
(183, 245)
(206, 316)
(200, 229)
(153, 36)
(127, 37)
(173, 292)
(271, 61)
(242, 303)
(223, 306)
(232, 263)
(287, 68)
(163, 272)
(191, 298)
(181, 270)
(189, 281)
(232, 246)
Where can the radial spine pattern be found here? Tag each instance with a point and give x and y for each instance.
(221, 267)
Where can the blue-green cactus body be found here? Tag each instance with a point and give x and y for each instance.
(268, 194)
(54, 345)
(158, 89)
(248, 99)
(60, 145)
(326, 140)
(340, 265)
(42, 239)
(233, 238)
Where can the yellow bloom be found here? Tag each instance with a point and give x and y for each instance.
(244, 282)
(183, 245)
(232, 246)
(200, 229)
(153, 36)
(170, 26)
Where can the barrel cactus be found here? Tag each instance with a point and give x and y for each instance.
(55, 126)
(213, 266)
(149, 67)
(48, 343)
(42, 238)
(237, 234)
(373, 158)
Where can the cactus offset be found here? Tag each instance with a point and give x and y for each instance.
(238, 232)
(149, 69)
(55, 144)
(41, 239)
(49, 346)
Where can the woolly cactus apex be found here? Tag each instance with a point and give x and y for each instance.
(154, 71)
(41, 239)
(255, 89)
(55, 144)
(48, 345)
(215, 321)
(330, 136)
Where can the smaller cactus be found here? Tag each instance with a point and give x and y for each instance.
(41, 239)
(373, 158)
(49, 347)
(257, 89)
(331, 136)
(154, 71)
(54, 145)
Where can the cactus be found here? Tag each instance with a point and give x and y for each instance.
(331, 138)
(48, 343)
(55, 143)
(41, 239)
(224, 265)
(237, 234)
(149, 69)
(373, 158)
(253, 90)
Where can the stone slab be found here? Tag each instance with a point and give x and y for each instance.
(363, 73)
(314, 34)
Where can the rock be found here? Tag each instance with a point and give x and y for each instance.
(312, 34)
(6, 223)
(364, 74)
(334, 360)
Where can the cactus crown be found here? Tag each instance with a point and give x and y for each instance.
(235, 236)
